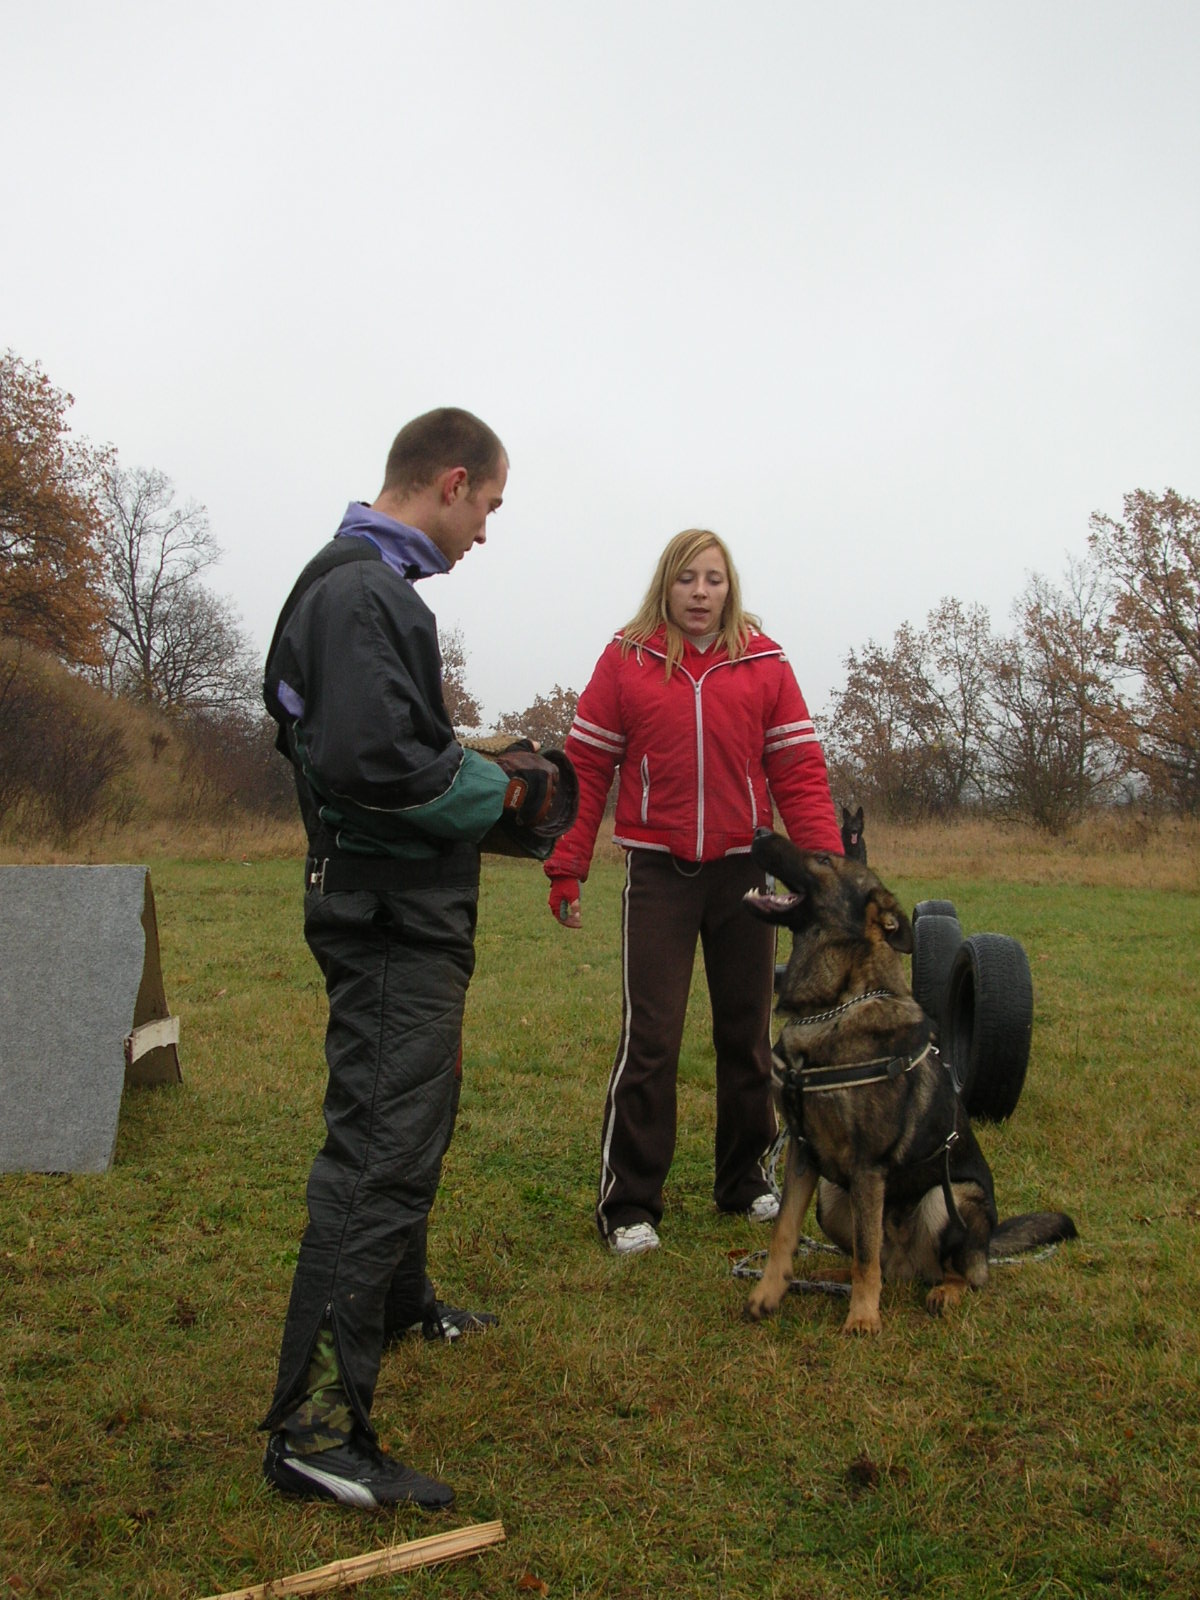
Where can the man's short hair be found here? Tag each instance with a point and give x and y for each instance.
(447, 437)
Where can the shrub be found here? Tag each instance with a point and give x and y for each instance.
(59, 762)
(230, 767)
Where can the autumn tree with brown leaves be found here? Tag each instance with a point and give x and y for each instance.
(548, 719)
(1152, 560)
(873, 735)
(906, 733)
(51, 560)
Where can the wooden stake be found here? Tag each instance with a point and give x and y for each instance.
(451, 1546)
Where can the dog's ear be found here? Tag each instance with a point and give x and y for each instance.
(893, 925)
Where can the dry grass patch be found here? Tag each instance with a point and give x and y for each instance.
(1118, 849)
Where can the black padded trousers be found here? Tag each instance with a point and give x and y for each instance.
(396, 968)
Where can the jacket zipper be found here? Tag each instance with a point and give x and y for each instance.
(696, 684)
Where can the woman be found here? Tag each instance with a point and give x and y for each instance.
(704, 718)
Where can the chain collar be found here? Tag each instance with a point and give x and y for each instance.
(828, 1016)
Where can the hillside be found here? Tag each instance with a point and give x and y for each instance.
(85, 776)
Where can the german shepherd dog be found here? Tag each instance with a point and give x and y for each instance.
(853, 843)
(874, 1113)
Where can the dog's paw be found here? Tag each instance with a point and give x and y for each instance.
(943, 1297)
(759, 1307)
(859, 1322)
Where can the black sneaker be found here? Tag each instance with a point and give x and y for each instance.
(449, 1322)
(355, 1473)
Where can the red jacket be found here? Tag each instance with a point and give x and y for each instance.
(702, 754)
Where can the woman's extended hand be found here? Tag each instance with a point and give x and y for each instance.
(564, 902)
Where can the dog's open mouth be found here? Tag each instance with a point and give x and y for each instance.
(771, 903)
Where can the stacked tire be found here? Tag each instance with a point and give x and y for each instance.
(979, 991)
(937, 934)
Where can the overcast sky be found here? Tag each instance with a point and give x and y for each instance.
(893, 296)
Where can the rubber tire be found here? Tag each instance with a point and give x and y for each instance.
(933, 908)
(987, 1023)
(935, 944)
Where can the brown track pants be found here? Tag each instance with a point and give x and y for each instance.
(666, 906)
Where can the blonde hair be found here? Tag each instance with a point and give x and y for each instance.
(681, 553)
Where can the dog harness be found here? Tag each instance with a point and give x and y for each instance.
(794, 1079)
(819, 1080)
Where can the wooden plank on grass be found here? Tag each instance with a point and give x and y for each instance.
(451, 1546)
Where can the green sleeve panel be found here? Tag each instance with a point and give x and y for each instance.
(468, 808)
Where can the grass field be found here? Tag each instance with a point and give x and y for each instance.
(633, 1435)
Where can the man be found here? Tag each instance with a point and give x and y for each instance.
(394, 809)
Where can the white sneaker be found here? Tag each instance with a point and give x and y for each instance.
(764, 1209)
(633, 1240)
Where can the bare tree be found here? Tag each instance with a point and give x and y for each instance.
(204, 661)
(1049, 757)
(1152, 559)
(171, 642)
(956, 646)
(462, 707)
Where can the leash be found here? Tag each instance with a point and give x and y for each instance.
(744, 1267)
(952, 1210)
(770, 1162)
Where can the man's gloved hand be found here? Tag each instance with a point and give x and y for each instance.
(532, 786)
(564, 902)
(541, 801)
